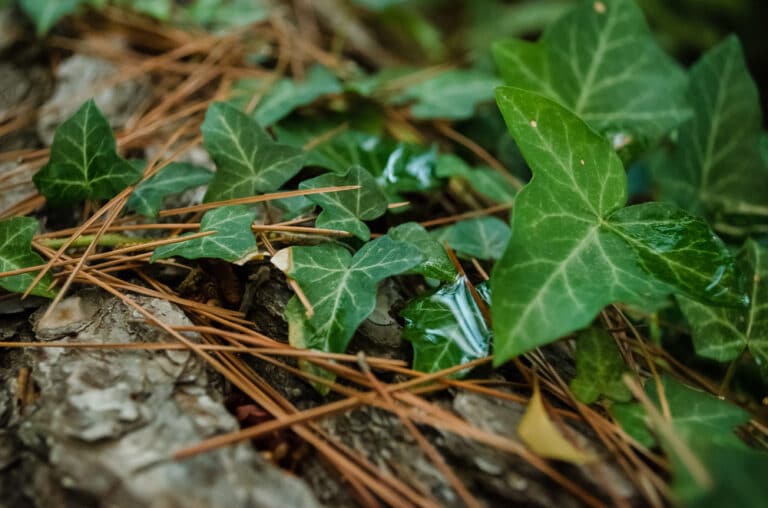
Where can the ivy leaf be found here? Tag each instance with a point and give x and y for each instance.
(447, 328)
(346, 210)
(572, 252)
(451, 94)
(706, 425)
(45, 13)
(486, 181)
(436, 264)
(600, 367)
(248, 161)
(16, 252)
(285, 95)
(232, 240)
(671, 245)
(340, 287)
(717, 168)
(84, 163)
(696, 414)
(222, 15)
(722, 333)
(600, 61)
(482, 238)
(175, 178)
(397, 167)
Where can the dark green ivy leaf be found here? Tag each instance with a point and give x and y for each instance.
(451, 94)
(286, 94)
(436, 265)
(346, 210)
(722, 333)
(248, 161)
(45, 13)
(397, 166)
(601, 61)
(486, 181)
(716, 168)
(599, 368)
(574, 250)
(340, 287)
(84, 163)
(707, 426)
(447, 328)
(175, 178)
(232, 240)
(16, 252)
(482, 237)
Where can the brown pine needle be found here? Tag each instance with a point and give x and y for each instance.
(255, 199)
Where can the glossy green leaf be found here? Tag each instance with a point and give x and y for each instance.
(599, 368)
(84, 163)
(717, 168)
(482, 237)
(16, 252)
(600, 61)
(176, 177)
(436, 265)
(45, 13)
(232, 240)
(285, 95)
(397, 167)
(451, 94)
(486, 181)
(340, 287)
(447, 328)
(346, 210)
(571, 252)
(248, 161)
(680, 250)
(722, 333)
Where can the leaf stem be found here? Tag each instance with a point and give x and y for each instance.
(730, 373)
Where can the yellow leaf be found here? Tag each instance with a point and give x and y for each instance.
(543, 437)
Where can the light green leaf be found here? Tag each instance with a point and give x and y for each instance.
(486, 181)
(340, 287)
(717, 168)
(45, 13)
(248, 161)
(447, 328)
(84, 163)
(175, 178)
(568, 257)
(600, 61)
(599, 368)
(482, 238)
(232, 240)
(436, 264)
(451, 94)
(722, 333)
(16, 252)
(346, 210)
(285, 95)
